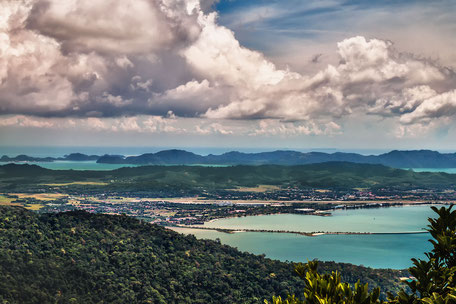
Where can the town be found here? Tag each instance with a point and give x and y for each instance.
(198, 209)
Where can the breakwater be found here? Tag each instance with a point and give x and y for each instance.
(314, 233)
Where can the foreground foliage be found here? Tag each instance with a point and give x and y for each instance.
(434, 283)
(435, 277)
(328, 289)
(78, 257)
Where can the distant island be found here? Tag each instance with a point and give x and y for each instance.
(395, 159)
(69, 157)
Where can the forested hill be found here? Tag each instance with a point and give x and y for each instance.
(324, 175)
(78, 257)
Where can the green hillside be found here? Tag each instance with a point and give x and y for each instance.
(342, 175)
(78, 257)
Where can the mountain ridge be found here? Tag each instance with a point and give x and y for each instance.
(394, 158)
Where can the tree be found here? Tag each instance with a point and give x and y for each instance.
(328, 289)
(434, 279)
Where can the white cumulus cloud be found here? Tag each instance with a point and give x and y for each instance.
(151, 58)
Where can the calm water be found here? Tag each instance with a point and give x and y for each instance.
(446, 170)
(378, 251)
(76, 165)
(89, 165)
(393, 219)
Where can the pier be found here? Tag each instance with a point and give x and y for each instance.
(314, 233)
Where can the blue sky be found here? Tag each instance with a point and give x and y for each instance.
(260, 24)
(234, 73)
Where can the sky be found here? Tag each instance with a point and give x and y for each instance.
(286, 74)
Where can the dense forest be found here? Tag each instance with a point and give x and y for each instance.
(78, 257)
(335, 175)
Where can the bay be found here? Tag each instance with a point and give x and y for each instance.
(76, 165)
(444, 170)
(394, 249)
(90, 165)
(410, 218)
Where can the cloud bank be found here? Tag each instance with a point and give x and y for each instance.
(96, 59)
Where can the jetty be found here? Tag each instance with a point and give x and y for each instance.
(313, 233)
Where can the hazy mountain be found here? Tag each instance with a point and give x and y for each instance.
(396, 159)
(69, 157)
(79, 157)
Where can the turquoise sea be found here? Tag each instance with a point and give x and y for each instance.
(373, 250)
(89, 165)
(93, 165)
(446, 170)
(376, 251)
(391, 219)
(76, 165)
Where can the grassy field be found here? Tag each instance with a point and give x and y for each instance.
(322, 190)
(77, 183)
(40, 196)
(33, 207)
(7, 201)
(259, 188)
